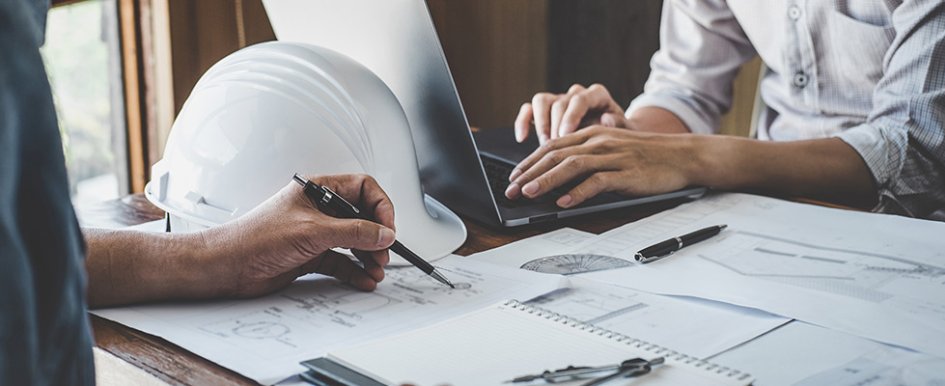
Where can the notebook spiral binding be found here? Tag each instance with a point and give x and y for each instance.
(637, 343)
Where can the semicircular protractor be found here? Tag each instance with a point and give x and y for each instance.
(571, 264)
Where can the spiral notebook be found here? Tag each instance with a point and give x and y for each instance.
(510, 339)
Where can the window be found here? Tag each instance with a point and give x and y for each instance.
(82, 55)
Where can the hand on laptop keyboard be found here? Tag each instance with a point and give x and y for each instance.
(611, 160)
(498, 172)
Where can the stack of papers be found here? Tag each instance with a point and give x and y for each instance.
(266, 338)
(867, 291)
(876, 276)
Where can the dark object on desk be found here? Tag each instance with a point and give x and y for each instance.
(665, 248)
(323, 197)
(325, 372)
(629, 368)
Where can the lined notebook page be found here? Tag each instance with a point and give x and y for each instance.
(498, 343)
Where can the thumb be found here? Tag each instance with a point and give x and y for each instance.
(360, 234)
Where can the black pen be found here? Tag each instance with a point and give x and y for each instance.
(323, 197)
(664, 248)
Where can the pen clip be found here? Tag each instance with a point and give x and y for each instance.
(328, 195)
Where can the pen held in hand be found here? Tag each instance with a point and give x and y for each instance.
(323, 197)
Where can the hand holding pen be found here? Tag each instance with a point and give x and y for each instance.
(284, 238)
(326, 199)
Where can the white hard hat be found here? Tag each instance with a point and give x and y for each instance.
(274, 109)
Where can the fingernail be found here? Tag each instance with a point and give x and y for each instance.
(385, 237)
(515, 173)
(511, 191)
(565, 201)
(530, 188)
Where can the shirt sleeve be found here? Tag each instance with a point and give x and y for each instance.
(702, 46)
(903, 139)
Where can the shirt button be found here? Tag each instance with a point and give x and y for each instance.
(800, 79)
(794, 12)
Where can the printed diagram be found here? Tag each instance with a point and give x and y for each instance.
(423, 289)
(589, 306)
(345, 308)
(864, 275)
(261, 330)
(575, 263)
(327, 305)
(269, 328)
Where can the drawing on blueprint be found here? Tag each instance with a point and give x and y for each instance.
(269, 327)
(864, 275)
(261, 330)
(589, 306)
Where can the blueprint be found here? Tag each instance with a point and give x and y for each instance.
(877, 276)
(818, 356)
(897, 281)
(266, 338)
(662, 320)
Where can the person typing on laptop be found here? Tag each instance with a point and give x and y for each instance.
(854, 98)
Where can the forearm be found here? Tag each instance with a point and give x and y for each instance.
(656, 120)
(827, 169)
(132, 267)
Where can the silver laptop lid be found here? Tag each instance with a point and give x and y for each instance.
(397, 40)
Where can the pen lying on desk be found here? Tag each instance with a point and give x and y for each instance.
(323, 197)
(664, 248)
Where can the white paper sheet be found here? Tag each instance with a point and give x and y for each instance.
(265, 338)
(496, 344)
(876, 276)
(807, 355)
(662, 320)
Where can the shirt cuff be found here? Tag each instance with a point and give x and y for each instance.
(883, 150)
(689, 116)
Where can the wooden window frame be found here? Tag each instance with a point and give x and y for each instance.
(145, 104)
(134, 51)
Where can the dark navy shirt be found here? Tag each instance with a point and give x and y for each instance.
(44, 330)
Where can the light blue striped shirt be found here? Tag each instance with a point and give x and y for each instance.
(869, 72)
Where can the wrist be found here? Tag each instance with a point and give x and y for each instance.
(196, 266)
(212, 264)
(715, 160)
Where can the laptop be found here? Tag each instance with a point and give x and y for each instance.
(396, 39)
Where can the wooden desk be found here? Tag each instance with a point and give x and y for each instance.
(175, 365)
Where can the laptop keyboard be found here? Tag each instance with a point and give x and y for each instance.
(498, 172)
